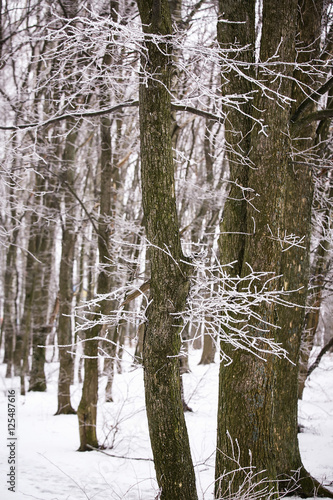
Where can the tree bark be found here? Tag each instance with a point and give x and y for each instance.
(233, 388)
(169, 282)
(36, 305)
(10, 313)
(258, 398)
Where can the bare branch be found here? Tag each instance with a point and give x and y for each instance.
(314, 97)
(322, 114)
(113, 109)
(324, 350)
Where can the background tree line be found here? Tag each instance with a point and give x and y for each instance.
(166, 180)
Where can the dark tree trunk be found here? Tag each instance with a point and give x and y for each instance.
(169, 275)
(258, 398)
(233, 386)
(87, 410)
(295, 265)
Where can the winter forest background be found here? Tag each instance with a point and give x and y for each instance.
(166, 248)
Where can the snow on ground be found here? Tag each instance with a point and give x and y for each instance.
(316, 414)
(50, 468)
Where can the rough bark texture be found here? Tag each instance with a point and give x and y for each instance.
(295, 265)
(169, 275)
(9, 309)
(237, 128)
(233, 385)
(87, 409)
(258, 399)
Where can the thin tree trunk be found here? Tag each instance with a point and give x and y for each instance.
(320, 266)
(87, 411)
(65, 323)
(9, 324)
(65, 339)
(208, 351)
(169, 275)
(41, 273)
(38, 275)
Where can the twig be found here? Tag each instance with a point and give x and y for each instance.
(117, 456)
(324, 350)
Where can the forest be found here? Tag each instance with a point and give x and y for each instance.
(166, 201)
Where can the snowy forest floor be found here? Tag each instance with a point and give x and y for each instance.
(50, 468)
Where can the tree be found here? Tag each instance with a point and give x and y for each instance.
(321, 243)
(73, 108)
(87, 410)
(269, 231)
(169, 282)
(38, 280)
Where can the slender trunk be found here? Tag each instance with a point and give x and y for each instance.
(87, 410)
(169, 275)
(208, 351)
(41, 273)
(320, 265)
(65, 338)
(109, 362)
(139, 343)
(38, 274)
(9, 325)
(65, 322)
(312, 317)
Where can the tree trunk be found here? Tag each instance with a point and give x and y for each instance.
(9, 309)
(169, 275)
(295, 265)
(34, 323)
(112, 334)
(321, 261)
(258, 398)
(38, 278)
(208, 351)
(65, 322)
(232, 408)
(9, 325)
(87, 410)
(65, 339)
